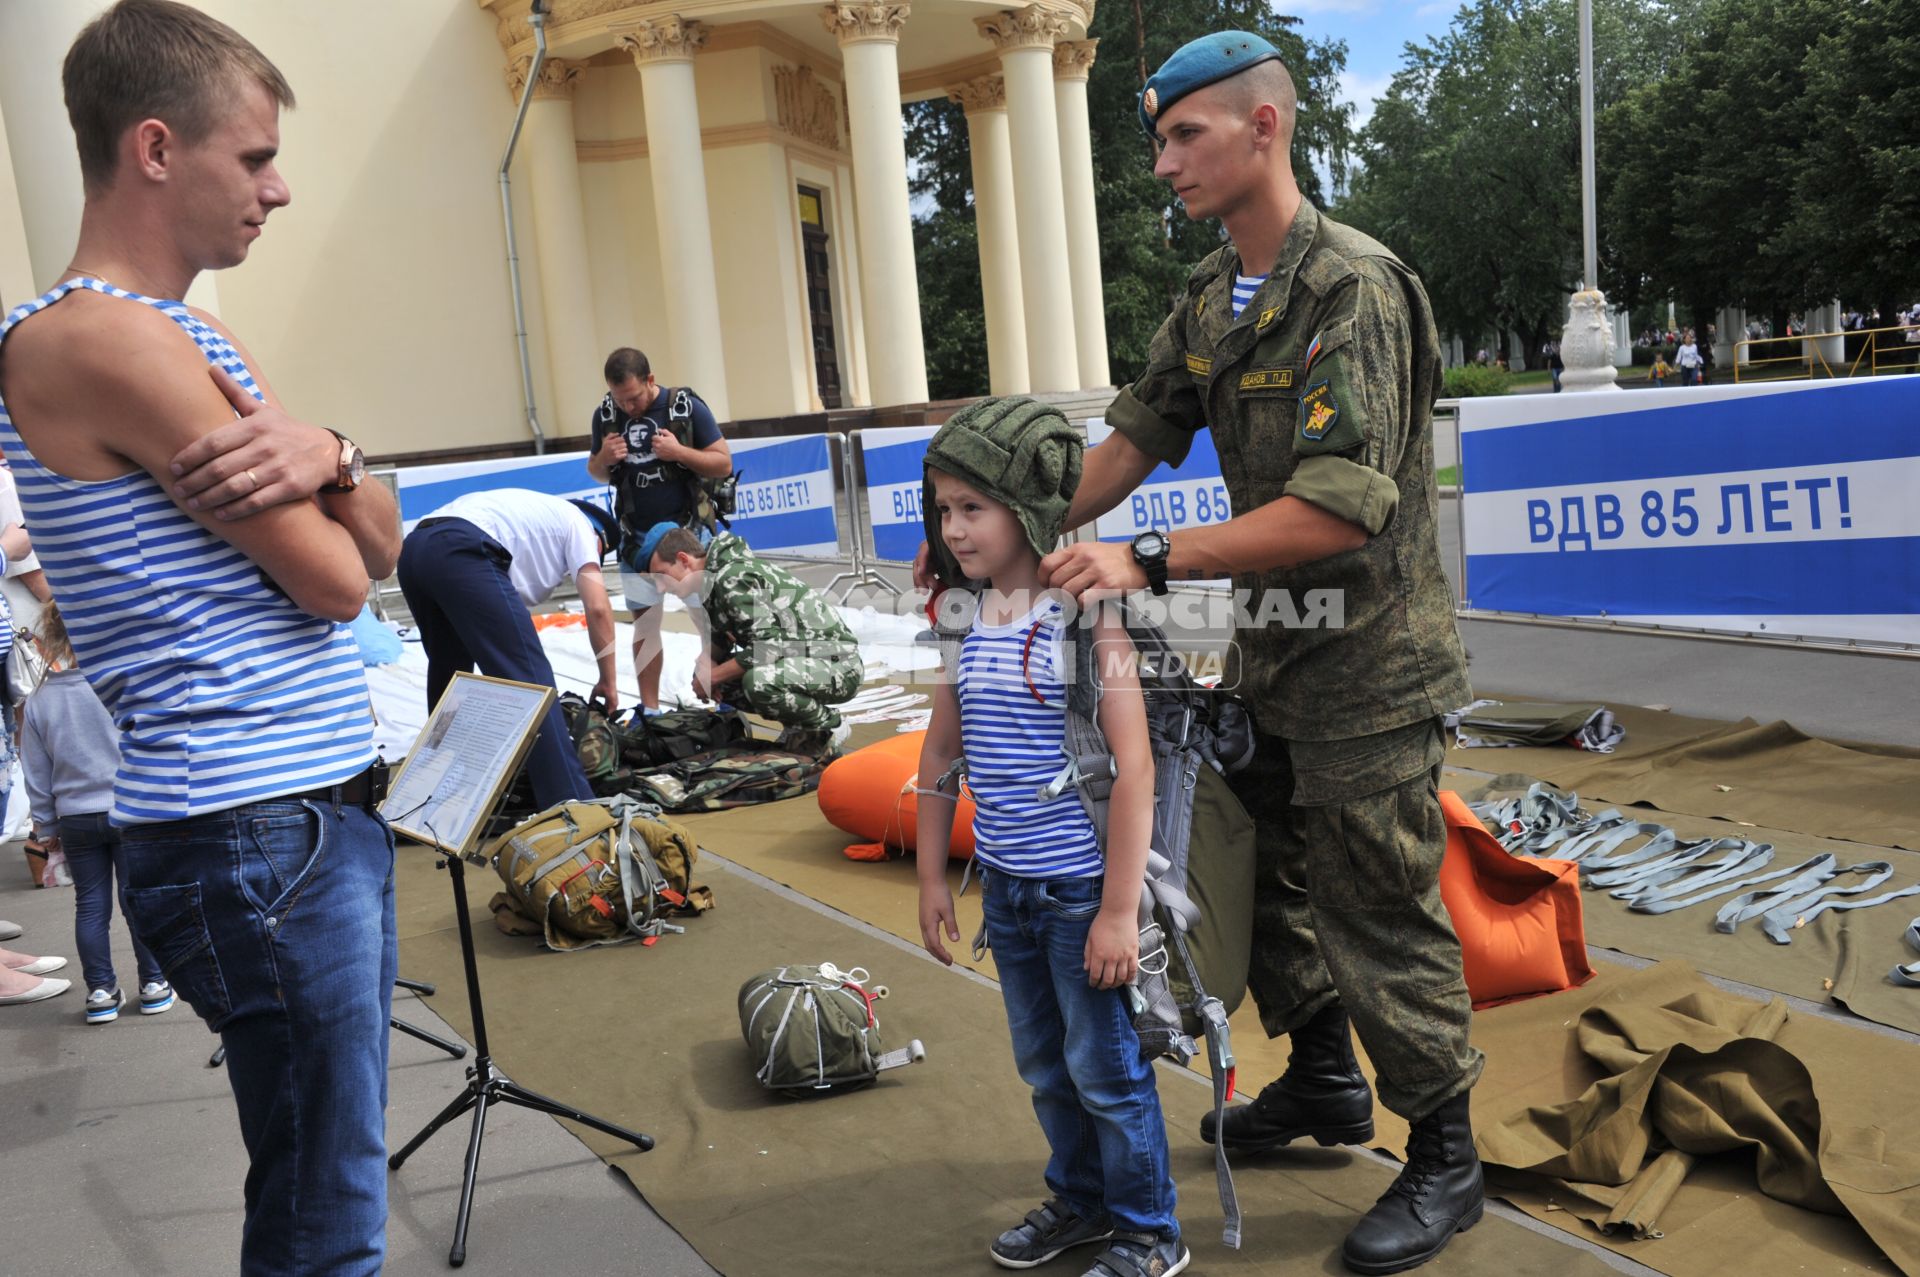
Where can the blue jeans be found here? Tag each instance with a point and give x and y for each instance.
(93, 854)
(275, 922)
(1075, 1045)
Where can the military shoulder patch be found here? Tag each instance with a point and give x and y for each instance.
(1199, 365)
(1318, 411)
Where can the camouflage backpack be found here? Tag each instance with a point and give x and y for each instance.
(591, 873)
(646, 742)
(739, 775)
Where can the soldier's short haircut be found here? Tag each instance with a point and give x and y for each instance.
(155, 60)
(1266, 82)
(678, 542)
(627, 362)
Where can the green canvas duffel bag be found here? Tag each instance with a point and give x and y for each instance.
(811, 1030)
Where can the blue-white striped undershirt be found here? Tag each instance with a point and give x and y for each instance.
(1012, 743)
(224, 691)
(1244, 287)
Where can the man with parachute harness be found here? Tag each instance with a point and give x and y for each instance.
(663, 453)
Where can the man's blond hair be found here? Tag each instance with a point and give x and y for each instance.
(155, 59)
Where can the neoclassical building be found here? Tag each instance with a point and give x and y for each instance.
(720, 182)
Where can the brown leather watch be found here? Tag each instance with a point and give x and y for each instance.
(353, 466)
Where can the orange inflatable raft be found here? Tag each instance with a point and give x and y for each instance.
(870, 794)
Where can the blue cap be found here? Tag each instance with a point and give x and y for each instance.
(651, 542)
(1198, 63)
(605, 526)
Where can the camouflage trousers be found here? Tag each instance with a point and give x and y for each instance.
(1349, 839)
(801, 691)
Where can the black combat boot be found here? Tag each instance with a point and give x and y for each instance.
(1322, 1094)
(1440, 1192)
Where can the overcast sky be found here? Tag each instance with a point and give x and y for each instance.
(1375, 32)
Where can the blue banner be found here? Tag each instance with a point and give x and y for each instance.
(1189, 495)
(1779, 509)
(895, 461)
(784, 504)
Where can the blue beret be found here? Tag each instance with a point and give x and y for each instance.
(651, 541)
(1198, 63)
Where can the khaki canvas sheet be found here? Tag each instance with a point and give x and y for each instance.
(1839, 957)
(1717, 1223)
(1869, 1121)
(1768, 774)
(913, 1175)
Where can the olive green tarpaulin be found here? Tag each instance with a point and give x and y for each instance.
(1768, 774)
(914, 1175)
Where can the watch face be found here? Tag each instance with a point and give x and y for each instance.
(357, 467)
(1151, 544)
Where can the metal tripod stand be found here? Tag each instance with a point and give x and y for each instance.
(487, 1085)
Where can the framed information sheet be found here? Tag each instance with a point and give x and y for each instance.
(464, 759)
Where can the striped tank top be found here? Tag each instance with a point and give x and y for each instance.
(1013, 720)
(225, 693)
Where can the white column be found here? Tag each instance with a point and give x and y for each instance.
(33, 43)
(869, 35)
(1072, 64)
(1832, 349)
(985, 101)
(1025, 39)
(663, 49)
(552, 170)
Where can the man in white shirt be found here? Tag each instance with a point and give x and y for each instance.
(472, 568)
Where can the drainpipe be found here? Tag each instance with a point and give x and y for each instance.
(539, 20)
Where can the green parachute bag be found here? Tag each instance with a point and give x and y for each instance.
(812, 1030)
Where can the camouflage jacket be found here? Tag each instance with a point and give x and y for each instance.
(767, 611)
(1322, 389)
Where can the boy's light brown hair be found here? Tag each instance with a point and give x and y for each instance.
(54, 643)
(155, 59)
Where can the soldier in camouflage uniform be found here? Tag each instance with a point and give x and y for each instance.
(792, 656)
(1318, 384)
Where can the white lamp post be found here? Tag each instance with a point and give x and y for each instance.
(1586, 345)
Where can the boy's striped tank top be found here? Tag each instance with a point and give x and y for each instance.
(224, 691)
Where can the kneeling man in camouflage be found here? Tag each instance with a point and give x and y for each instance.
(792, 657)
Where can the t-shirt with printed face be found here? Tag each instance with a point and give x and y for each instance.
(648, 490)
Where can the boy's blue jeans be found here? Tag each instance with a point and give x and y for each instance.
(1075, 1045)
(93, 855)
(275, 922)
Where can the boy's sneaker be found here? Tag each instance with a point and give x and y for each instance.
(1047, 1231)
(155, 997)
(103, 1005)
(1141, 1255)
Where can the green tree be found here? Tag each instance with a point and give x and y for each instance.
(1775, 167)
(1470, 166)
(1856, 216)
(1147, 244)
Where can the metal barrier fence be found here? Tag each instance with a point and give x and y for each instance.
(1894, 349)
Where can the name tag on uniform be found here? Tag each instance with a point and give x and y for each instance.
(1199, 366)
(1267, 379)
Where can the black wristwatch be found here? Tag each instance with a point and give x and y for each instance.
(1150, 552)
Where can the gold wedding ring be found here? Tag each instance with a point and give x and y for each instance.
(255, 480)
